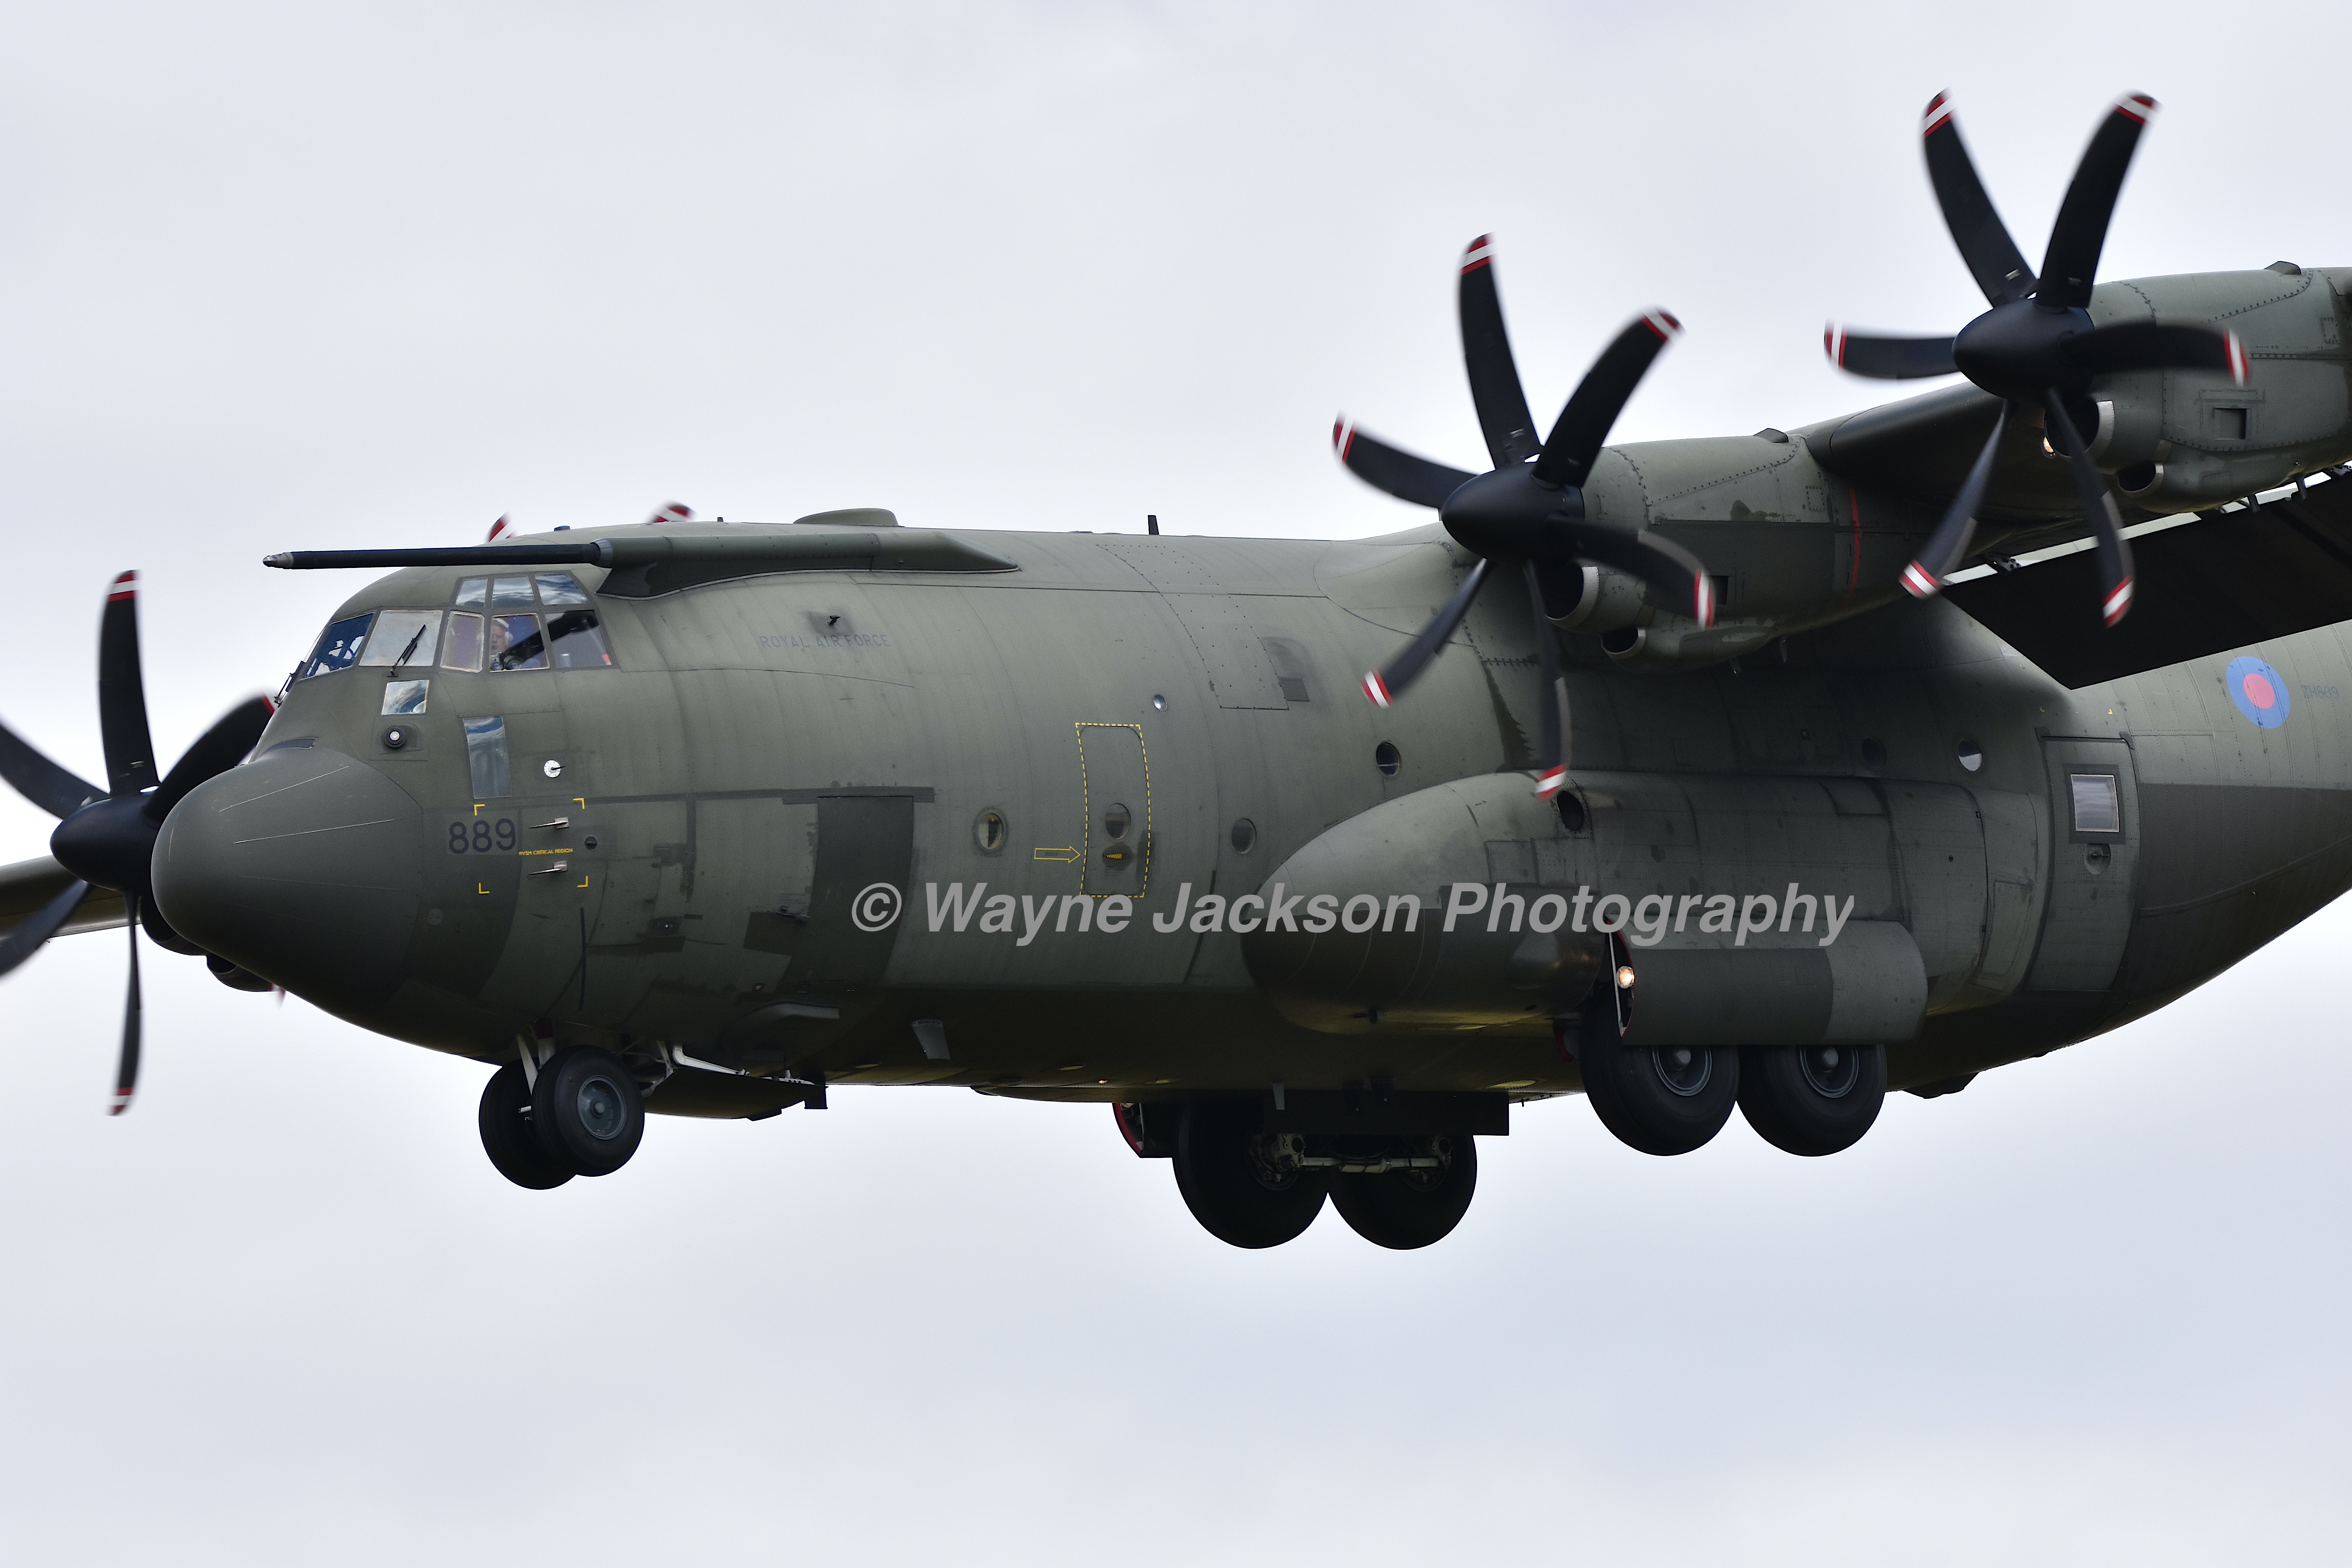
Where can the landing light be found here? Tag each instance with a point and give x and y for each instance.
(1625, 977)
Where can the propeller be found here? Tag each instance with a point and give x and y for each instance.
(2037, 345)
(106, 836)
(1528, 511)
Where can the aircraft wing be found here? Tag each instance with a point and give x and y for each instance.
(2227, 580)
(29, 884)
(1921, 448)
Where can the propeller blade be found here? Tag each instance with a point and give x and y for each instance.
(1503, 416)
(216, 750)
(2071, 262)
(1948, 545)
(126, 1070)
(39, 926)
(41, 781)
(123, 694)
(1653, 558)
(1385, 686)
(1583, 425)
(1389, 468)
(1552, 759)
(1993, 258)
(2161, 346)
(2098, 509)
(1885, 358)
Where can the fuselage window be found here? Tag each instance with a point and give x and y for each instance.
(402, 637)
(340, 646)
(516, 643)
(465, 648)
(2095, 808)
(485, 755)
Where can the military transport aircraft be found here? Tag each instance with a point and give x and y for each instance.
(1755, 788)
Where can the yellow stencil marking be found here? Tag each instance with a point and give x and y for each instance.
(1086, 805)
(1065, 853)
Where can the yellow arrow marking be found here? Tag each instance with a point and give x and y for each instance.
(1068, 853)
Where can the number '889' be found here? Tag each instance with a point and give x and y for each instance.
(481, 836)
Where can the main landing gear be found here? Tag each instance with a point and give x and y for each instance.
(1252, 1188)
(1812, 1099)
(583, 1117)
(1670, 1100)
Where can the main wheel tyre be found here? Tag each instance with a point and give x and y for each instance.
(586, 1111)
(507, 1135)
(1234, 1182)
(1668, 1100)
(1405, 1209)
(1812, 1099)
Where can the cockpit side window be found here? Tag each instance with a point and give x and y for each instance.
(340, 646)
(576, 641)
(565, 635)
(516, 643)
(557, 590)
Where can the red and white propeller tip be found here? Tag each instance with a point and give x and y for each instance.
(2117, 605)
(1376, 688)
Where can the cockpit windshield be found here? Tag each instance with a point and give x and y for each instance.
(340, 646)
(542, 620)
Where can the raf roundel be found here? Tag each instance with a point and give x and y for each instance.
(2259, 692)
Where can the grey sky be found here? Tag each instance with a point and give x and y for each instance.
(313, 276)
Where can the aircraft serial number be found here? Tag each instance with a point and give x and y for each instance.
(481, 836)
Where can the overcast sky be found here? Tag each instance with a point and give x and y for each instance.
(321, 275)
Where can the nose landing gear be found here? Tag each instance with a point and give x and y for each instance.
(583, 1117)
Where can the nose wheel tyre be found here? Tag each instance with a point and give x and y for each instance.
(1405, 1209)
(506, 1134)
(1665, 1100)
(1812, 1099)
(1241, 1182)
(586, 1111)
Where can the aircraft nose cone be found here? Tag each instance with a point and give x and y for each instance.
(302, 867)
